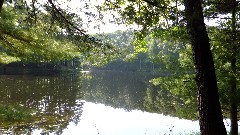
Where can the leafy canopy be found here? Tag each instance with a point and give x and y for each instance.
(38, 31)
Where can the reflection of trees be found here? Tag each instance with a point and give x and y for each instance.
(53, 100)
(117, 89)
(174, 96)
(130, 91)
(164, 102)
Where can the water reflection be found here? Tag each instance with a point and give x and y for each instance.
(59, 102)
(52, 99)
(132, 91)
(98, 119)
(116, 89)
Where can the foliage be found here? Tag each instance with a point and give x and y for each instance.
(160, 55)
(160, 19)
(122, 40)
(31, 43)
(44, 32)
(222, 50)
(5, 58)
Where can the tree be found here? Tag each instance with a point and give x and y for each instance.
(211, 119)
(233, 79)
(45, 31)
(156, 15)
(226, 11)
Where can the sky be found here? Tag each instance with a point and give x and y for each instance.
(96, 22)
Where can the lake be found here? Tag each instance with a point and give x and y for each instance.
(88, 103)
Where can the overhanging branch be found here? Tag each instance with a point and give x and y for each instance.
(82, 32)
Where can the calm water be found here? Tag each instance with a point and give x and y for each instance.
(91, 103)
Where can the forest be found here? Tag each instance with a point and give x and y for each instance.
(191, 46)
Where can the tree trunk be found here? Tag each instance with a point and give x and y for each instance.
(233, 80)
(1, 4)
(210, 115)
(233, 99)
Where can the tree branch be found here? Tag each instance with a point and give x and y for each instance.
(82, 32)
(3, 38)
(155, 4)
(20, 38)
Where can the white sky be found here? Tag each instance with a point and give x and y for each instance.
(95, 24)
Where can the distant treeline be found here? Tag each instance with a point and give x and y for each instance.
(40, 68)
(142, 64)
(152, 59)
